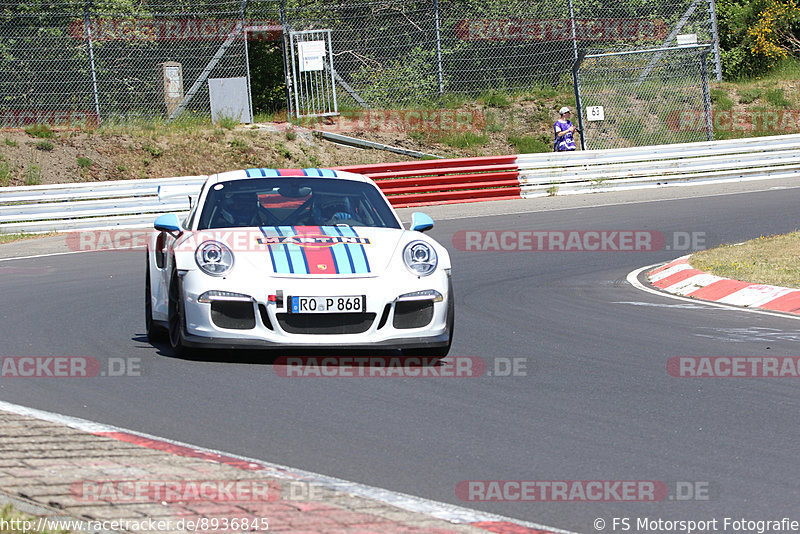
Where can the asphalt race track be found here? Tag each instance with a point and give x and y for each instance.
(596, 403)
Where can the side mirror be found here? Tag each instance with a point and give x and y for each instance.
(421, 222)
(168, 223)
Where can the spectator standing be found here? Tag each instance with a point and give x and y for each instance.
(563, 130)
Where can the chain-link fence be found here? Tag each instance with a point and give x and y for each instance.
(638, 98)
(96, 60)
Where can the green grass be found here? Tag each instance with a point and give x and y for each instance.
(5, 174)
(721, 100)
(630, 128)
(42, 131)
(291, 135)
(750, 95)
(283, 151)
(32, 175)
(84, 163)
(239, 144)
(45, 146)
(153, 150)
(765, 260)
(530, 144)
(11, 143)
(777, 98)
(229, 123)
(494, 99)
(464, 139)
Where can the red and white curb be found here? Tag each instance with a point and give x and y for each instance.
(454, 514)
(679, 278)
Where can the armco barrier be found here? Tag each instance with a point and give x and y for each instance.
(137, 202)
(445, 180)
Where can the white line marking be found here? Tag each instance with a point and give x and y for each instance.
(49, 255)
(633, 279)
(447, 512)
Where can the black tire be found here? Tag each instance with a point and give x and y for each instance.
(177, 319)
(155, 332)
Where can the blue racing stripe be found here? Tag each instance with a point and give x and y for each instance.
(327, 173)
(347, 251)
(296, 254)
(286, 260)
(357, 251)
(271, 252)
(262, 173)
(340, 257)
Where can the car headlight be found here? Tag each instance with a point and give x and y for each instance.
(420, 258)
(214, 258)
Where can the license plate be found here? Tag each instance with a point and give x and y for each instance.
(351, 304)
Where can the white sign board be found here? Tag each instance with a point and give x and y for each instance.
(312, 55)
(173, 85)
(230, 99)
(595, 113)
(687, 39)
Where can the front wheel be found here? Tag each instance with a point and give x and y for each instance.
(177, 319)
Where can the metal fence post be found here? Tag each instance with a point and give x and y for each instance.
(87, 25)
(574, 38)
(706, 97)
(576, 65)
(438, 45)
(712, 12)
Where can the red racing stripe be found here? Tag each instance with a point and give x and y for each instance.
(319, 258)
(291, 172)
(719, 289)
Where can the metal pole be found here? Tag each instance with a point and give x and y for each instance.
(439, 45)
(579, 107)
(706, 97)
(247, 59)
(712, 10)
(285, 47)
(87, 24)
(574, 38)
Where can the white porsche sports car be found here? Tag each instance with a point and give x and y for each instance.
(297, 259)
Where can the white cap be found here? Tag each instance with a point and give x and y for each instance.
(563, 110)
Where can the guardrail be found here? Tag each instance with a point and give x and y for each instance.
(135, 203)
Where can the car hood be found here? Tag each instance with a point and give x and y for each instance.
(326, 251)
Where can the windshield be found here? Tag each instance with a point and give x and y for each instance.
(295, 201)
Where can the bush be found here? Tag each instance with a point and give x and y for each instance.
(755, 36)
(39, 130)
